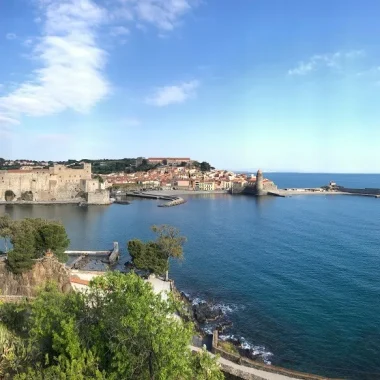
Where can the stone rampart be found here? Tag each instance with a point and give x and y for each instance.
(99, 197)
(58, 183)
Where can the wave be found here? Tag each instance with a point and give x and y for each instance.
(224, 307)
(254, 351)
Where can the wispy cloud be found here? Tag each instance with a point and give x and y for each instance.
(70, 74)
(164, 96)
(333, 61)
(10, 36)
(119, 31)
(28, 42)
(70, 62)
(164, 14)
(5, 121)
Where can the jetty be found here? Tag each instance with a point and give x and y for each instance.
(79, 258)
(172, 200)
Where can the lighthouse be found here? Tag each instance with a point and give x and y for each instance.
(259, 183)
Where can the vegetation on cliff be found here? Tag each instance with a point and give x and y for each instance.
(30, 240)
(119, 329)
(154, 256)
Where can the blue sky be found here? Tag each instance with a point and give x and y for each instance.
(281, 85)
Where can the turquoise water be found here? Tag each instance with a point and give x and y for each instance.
(298, 276)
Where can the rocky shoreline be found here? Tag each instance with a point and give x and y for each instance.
(209, 316)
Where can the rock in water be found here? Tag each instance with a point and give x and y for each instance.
(203, 312)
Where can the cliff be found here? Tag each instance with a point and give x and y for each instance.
(27, 284)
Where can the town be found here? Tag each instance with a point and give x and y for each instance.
(180, 174)
(155, 173)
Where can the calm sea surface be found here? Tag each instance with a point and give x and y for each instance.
(299, 276)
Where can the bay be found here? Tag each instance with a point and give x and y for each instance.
(299, 276)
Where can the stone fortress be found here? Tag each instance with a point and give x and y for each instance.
(58, 183)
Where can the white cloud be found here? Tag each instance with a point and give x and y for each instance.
(119, 31)
(70, 63)
(10, 36)
(28, 42)
(164, 96)
(334, 60)
(5, 120)
(163, 14)
(70, 74)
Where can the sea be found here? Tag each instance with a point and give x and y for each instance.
(299, 277)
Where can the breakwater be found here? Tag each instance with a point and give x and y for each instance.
(172, 200)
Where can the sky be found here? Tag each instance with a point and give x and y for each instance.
(243, 84)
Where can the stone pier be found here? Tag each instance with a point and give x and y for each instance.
(110, 257)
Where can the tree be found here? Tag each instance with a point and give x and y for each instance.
(20, 258)
(31, 239)
(165, 161)
(170, 242)
(205, 166)
(148, 256)
(119, 329)
(52, 237)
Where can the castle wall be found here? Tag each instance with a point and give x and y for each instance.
(55, 183)
(99, 197)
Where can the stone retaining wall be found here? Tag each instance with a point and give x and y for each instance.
(260, 366)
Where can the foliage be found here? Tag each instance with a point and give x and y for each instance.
(154, 255)
(119, 329)
(206, 167)
(20, 258)
(148, 256)
(203, 166)
(52, 236)
(229, 347)
(169, 240)
(31, 239)
(206, 367)
(12, 351)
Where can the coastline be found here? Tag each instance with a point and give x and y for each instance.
(171, 193)
(50, 203)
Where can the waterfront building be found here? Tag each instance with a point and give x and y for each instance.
(169, 160)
